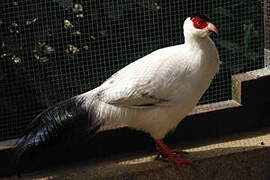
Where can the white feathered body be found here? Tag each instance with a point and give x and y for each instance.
(152, 94)
(156, 92)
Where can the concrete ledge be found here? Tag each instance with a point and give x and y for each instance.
(251, 88)
(244, 156)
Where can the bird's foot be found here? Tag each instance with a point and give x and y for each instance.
(164, 150)
(179, 162)
(160, 153)
(172, 155)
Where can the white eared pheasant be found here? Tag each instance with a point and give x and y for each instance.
(152, 94)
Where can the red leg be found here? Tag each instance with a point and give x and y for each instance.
(174, 151)
(164, 150)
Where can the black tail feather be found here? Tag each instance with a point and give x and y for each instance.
(66, 122)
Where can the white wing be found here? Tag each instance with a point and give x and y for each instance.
(143, 83)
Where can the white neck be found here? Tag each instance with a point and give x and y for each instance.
(194, 42)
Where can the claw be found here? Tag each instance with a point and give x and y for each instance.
(171, 155)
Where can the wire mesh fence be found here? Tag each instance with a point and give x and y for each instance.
(267, 25)
(54, 49)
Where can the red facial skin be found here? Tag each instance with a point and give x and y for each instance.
(199, 23)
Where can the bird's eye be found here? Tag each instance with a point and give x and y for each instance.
(199, 23)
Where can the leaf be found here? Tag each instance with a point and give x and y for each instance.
(47, 50)
(104, 33)
(77, 8)
(41, 44)
(31, 21)
(16, 59)
(67, 24)
(43, 59)
(71, 49)
(76, 33)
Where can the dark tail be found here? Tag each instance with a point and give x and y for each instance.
(65, 122)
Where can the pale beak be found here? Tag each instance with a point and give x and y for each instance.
(211, 27)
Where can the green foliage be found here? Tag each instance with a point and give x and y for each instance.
(229, 45)
(248, 45)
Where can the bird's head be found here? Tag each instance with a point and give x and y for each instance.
(199, 26)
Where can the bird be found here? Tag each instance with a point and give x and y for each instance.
(152, 94)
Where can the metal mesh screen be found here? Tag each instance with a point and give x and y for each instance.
(267, 28)
(54, 49)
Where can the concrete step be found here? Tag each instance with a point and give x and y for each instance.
(243, 156)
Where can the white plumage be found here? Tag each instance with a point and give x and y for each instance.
(152, 94)
(156, 92)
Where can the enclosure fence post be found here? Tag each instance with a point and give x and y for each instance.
(266, 7)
